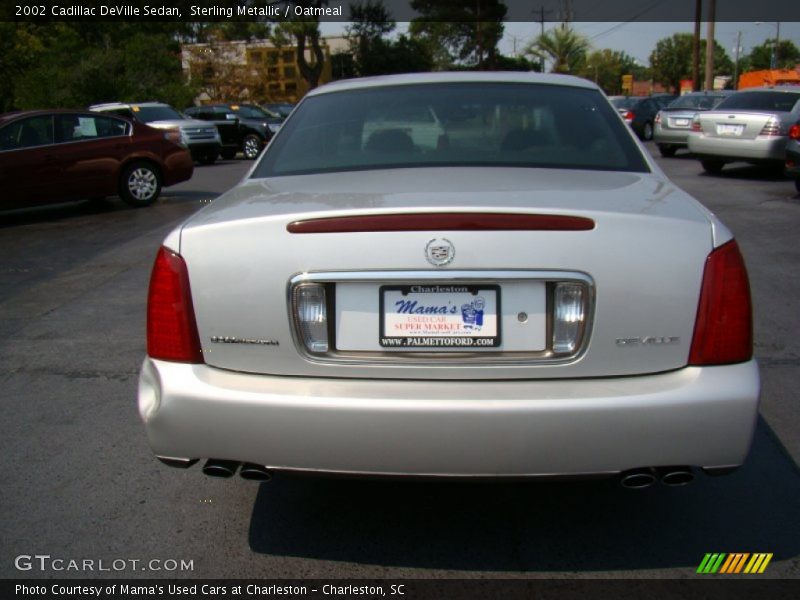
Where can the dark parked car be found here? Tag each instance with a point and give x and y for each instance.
(640, 113)
(793, 154)
(62, 155)
(241, 126)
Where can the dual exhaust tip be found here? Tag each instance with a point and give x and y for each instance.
(227, 468)
(635, 479)
(638, 479)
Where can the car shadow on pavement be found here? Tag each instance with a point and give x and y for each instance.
(535, 527)
(750, 172)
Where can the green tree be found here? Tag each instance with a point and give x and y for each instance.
(460, 33)
(77, 64)
(761, 57)
(373, 54)
(564, 47)
(671, 60)
(606, 68)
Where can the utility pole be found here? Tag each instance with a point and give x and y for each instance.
(712, 10)
(736, 61)
(542, 11)
(778, 47)
(698, 16)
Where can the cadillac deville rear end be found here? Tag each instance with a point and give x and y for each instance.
(452, 275)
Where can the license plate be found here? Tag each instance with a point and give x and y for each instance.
(428, 316)
(680, 122)
(726, 129)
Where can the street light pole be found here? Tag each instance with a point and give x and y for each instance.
(712, 9)
(736, 62)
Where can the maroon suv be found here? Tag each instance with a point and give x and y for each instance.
(61, 155)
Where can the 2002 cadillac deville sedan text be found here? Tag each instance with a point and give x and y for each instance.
(452, 275)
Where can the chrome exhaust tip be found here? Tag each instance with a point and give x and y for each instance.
(638, 479)
(220, 468)
(676, 476)
(253, 472)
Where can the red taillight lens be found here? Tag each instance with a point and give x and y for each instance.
(794, 132)
(629, 116)
(723, 330)
(696, 124)
(171, 328)
(658, 119)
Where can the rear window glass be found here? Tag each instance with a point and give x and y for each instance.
(700, 102)
(770, 101)
(470, 124)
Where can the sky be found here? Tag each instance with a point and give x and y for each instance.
(637, 38)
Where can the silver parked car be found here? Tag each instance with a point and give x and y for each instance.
(529, 296)
(750, 126)
(673, 122)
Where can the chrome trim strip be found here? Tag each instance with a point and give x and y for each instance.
(445, 359)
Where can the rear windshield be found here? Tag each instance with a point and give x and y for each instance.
(624, 102)
(470, 124)
(148, 114)
(252, 112)
(701, 102)
(769, 101)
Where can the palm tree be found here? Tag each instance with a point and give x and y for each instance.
(562, 46)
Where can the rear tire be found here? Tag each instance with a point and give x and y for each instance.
(251, 146)
(712, 165)
(208, 158)
(647, 131)
(667, 151)
(140, 184)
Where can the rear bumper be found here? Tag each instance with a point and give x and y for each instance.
(694, 416)
(762, 148)
(673, 137)
(178, 167)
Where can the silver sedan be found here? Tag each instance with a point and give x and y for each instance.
(674, 122)
(750, 126)
(522, 294)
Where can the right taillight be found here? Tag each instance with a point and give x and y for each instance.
(629, 116)
(696, 123)
(794, 132)
(723, 329)
(171, 327)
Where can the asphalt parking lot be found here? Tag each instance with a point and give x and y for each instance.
(77, 480)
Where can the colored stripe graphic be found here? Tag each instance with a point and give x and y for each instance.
(735, 562)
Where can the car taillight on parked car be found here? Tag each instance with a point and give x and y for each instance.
(723, 329)
(794, 132)
(696, 123)
(771, 127)
(171, 327)
(658, 118)
(629, 116)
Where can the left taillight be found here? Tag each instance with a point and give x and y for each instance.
(794, 132)
(723, 329)
(171, 326)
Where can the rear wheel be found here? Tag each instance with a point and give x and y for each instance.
(209, 158)
(251, 146)
(666, 150)
(228, 154)
(712, 165)
(140, 184)
(647, 131)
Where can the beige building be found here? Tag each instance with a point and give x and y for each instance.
(256, 71)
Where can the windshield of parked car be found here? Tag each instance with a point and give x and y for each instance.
(253, 112)
(282, 110)
(148, 114)
(769, 101)
(453, 124)
(696, 102)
